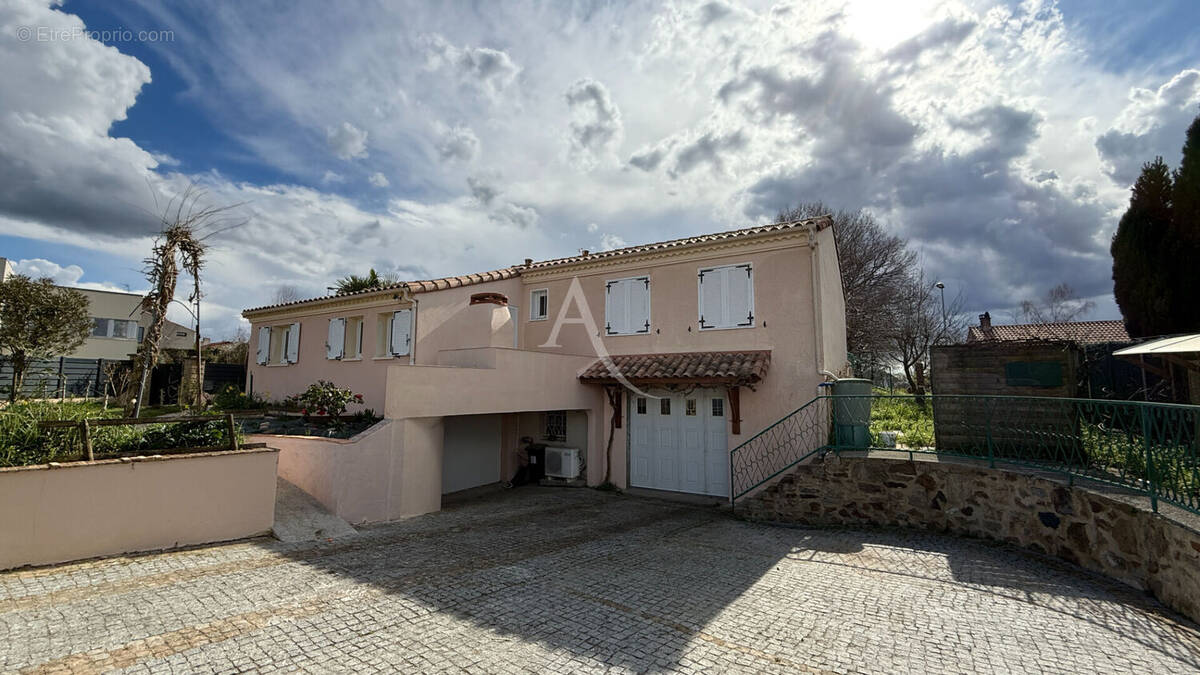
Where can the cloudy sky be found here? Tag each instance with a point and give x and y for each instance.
(426, 139)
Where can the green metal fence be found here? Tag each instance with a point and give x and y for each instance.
(1149, 448)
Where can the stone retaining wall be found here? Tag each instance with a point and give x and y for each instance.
(1085, 527)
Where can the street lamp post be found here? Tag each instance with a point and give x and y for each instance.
(942, 288)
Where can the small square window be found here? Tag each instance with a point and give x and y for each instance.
(641, 406)
(689, 407)
(718, 407)
(664, 406)
(99, 327)
(556, 426)
(539, 304)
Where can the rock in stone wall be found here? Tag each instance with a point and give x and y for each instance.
(1092, 530)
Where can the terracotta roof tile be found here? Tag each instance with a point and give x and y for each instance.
(691, 367)
(426, 285)
(821, 222)
(1075, 331)
(419, 286)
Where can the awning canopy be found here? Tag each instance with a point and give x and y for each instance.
(1180, 344)
(724, 368)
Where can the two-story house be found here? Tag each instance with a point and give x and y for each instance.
(653, 361)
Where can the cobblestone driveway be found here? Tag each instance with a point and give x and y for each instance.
(577, 580)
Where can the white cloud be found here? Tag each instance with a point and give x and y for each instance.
(347, 141)
(595, 128)
(36, 268)
(491, 71)
(332, 178)
(458, 143)
(1150, 124)
(378, 180)
(610, 242)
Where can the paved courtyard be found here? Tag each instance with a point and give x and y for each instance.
(538, 580)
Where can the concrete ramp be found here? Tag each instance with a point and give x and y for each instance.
(299, 517)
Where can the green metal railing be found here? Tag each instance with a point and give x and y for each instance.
(1149, 448)
(779, 447)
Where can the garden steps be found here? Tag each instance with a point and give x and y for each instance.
(300, 517)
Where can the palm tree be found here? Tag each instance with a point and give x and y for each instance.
(353, 282)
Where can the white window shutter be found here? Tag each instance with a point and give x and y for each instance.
(639, 305)
(712, 298)
(264, 345)
(740, 293)
(293, 343)
(335, 347)
(402, 332)
(616, 308)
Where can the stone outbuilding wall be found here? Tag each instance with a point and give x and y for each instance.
(1083, 526)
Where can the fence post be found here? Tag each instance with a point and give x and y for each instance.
(233, 444)
(99, 376)
(62, 385)
(991, 451)
(86, 436)
(1150, 478)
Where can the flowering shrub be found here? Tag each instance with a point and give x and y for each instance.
(324, 398)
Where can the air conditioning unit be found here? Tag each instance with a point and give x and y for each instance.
(562, 462)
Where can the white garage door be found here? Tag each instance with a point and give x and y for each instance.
(677, 442)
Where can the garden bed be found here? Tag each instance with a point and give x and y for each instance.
(285, 424)
(23, 443)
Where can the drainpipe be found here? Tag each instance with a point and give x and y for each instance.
(818, 352)
(407, 296)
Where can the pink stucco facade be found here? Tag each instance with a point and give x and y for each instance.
(471, 360)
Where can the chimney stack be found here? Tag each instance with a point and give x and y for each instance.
(529, 262)
(985, 321)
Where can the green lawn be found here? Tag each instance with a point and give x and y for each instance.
(902, 413)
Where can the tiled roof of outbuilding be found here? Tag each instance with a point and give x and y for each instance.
(1084, 332)
(743, 368)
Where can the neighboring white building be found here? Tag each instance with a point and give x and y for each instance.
(118, 324)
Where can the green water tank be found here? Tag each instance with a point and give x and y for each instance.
(852, 414)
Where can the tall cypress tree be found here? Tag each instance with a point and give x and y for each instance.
(1184, 256)
(1141, 280)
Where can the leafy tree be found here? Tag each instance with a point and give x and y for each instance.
(1140, 252)
(1059, 305)
(353, 282)
(1185, 237)
(875, 266)
(39, 320)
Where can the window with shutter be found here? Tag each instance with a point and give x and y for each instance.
(264, 345)
(336, 343)
(726, 296)
(401, 332)
(627, 306)
(293, 343)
